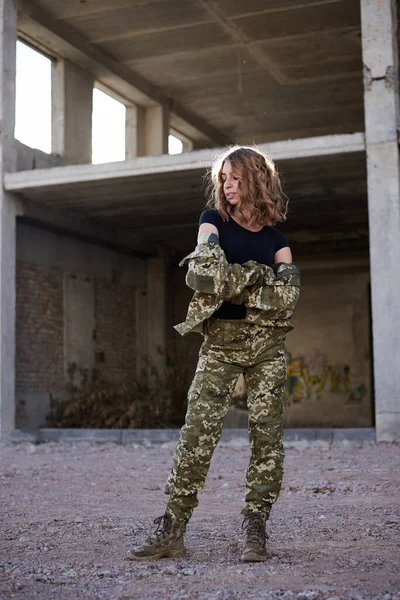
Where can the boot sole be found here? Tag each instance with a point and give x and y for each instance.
(253, 557)
(164, 554)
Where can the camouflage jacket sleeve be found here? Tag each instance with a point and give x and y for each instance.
(279, 292)
(209, 272)
(269, 302)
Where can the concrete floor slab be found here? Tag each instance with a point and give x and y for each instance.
(292, 437)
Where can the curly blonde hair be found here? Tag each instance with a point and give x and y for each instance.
(259, 187)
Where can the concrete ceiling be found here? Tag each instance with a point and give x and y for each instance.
(252, 71)
(230, 71)
(160, 207)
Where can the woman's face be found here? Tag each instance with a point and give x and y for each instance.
(231, 182)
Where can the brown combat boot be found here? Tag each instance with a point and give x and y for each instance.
(167, 540)
(255, 536)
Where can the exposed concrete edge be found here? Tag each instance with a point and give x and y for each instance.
(292, 437)
(194, 160)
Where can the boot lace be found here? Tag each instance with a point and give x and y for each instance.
(163, 526)
(254, 525)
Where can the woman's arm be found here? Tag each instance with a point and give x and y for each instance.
(206, 230)
(283, 255)
(209, 271)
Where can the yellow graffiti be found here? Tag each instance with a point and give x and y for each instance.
(301, 383)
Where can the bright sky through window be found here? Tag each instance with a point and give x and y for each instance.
(175, 145)
(33, 98)
(33, 111)
(108, 128)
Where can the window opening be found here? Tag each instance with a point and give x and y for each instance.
(108, 128)
(175, 145)
(33, 98)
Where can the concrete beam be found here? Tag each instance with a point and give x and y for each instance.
(8, 212)
(36, 23)
(242, 40)
(292, 438)
(72, 105)
(42, 179)
(381, 99)
(315, 146)
(65, 223)
(49, 249)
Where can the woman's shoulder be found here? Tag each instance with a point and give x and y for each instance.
(279, 237)
(211, 215)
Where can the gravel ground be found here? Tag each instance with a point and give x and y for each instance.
(70, 511)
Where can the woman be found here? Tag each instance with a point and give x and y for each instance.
(246, 288)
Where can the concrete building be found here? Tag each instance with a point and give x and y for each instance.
(89, 253)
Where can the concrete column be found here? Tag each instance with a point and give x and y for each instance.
(72, 104)
(147, 131)
(381, 100)
(135, 131)
(8, 213)
(141, 332)
(156, 312)
(156, 130)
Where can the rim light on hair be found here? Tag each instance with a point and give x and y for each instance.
(259, 189)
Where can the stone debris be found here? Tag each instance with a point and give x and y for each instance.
(70, 511)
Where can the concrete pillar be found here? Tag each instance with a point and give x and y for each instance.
(141, 333)
(381, 100)
(135, 131)
(8, 213)
(156, 130)
(147, 131)
(72, 104)
(156, 312)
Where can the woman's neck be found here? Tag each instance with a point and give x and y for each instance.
(243, 219)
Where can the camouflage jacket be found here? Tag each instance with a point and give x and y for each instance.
(270, 294)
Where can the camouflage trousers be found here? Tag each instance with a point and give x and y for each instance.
(231, 348)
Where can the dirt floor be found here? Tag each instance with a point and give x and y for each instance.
(69, 512)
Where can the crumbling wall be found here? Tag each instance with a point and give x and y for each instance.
(75, 312)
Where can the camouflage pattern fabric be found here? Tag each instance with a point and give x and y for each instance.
(269, 293)
(229, 349)
(209, 272)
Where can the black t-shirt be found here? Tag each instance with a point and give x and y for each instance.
(241, 245)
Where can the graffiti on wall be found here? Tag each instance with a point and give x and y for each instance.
(309, 376)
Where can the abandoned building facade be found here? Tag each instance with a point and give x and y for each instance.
(89, 253)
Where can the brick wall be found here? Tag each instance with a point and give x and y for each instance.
(115, 330)
(39, 331)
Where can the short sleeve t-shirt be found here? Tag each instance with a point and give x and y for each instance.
(241, 245)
